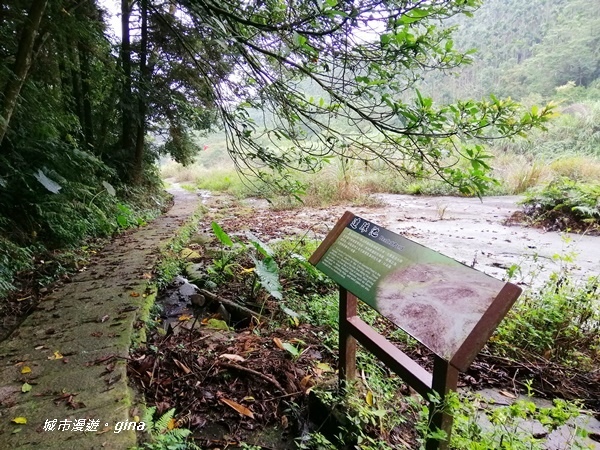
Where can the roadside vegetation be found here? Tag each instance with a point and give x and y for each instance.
(272, 366)
(565, 204)
(51, 248)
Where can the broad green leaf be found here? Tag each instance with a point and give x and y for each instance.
(290, 312)
(50, 185)
(534, 110)
(221, 235)
(26, 387)
(385, 39)
(262, 248)
(292, 350)
(268, 276)
(299, 39)
(109, 188)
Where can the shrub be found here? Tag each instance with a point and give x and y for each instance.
(560, 322)
(564, 203)
(13, 259)
(55, 196)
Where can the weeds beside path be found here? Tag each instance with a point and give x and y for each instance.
(63, 382)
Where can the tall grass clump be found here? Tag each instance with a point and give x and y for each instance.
(560, 322)
(578, 168)
(517, 173)
(223, 178)
(181, 173)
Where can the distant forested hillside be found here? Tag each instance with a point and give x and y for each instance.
(524, 48)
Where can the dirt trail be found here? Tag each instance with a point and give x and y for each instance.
(71, 350)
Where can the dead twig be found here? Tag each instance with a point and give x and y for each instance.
(247, 312)
(271, 380)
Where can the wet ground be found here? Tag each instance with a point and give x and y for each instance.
(474, 232)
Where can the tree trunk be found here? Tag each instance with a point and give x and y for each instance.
(76, 86)
(127, 142)
(22, 64)
(60, 49)
(138, 160)
(86, 92)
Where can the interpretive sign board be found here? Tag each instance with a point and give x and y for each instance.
(432, 297)
(450, 308)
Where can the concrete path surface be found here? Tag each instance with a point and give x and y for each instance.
(69, 354)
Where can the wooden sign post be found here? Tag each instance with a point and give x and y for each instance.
(450, 308)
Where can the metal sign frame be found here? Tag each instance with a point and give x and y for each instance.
(444, 377)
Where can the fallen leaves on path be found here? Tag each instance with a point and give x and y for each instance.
(239, 379)
(69, 400)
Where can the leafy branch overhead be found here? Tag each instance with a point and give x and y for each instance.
(360, 62)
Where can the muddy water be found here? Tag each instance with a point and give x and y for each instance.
(466, 229)
(474, 232)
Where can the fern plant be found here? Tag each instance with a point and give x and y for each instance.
(163, 435)
(563, 203)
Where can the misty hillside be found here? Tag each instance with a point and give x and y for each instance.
(524, 48)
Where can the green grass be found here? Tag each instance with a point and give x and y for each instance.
(559, 322)
(222, 180)
(170, 262)
(189, 187)
(559, 318)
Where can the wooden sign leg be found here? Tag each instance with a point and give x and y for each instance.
(347, 344)
(445, 379)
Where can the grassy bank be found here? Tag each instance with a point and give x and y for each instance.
(352, 182)
(549, 333)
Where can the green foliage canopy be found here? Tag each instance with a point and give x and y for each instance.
(362, 60)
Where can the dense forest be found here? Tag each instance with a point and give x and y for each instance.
(526, 49)
(84, 118)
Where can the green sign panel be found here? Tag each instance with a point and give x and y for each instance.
(432, 297)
